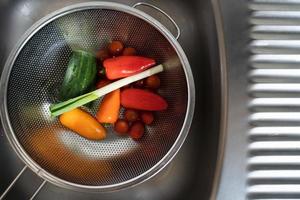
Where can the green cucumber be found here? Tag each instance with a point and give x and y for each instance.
(80, 75)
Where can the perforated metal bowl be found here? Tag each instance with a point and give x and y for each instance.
(34, 71)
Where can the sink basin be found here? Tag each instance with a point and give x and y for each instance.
(191, 174)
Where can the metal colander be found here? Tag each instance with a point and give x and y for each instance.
(35, 71)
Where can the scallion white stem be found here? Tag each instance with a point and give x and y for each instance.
(60, 108)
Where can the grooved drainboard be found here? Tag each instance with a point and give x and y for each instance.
(274, 135)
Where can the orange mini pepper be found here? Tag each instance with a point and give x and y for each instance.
(83, 123)
(109, 108)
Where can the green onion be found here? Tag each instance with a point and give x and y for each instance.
(60, 108)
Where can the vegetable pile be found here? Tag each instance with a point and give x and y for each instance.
(128, 81)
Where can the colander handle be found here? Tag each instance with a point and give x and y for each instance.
(162, 12)
(2, 196)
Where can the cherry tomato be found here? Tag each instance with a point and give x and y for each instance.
(121, 126)
(115, 48)
(137, 130)
(129, 51)
(102, 83)
(147, 117)
(131, 115)
(153, 82)
(102, 54)
(139, 84)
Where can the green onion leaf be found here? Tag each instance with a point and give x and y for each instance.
(62, 107)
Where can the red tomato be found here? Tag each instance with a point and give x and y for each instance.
(139, 84)
(131, 115)
(137, 130)
(115, 48)
(153, 82)
(121, 126)
(102, 83)
(147, 117)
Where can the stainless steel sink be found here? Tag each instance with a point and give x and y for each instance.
(191, 174)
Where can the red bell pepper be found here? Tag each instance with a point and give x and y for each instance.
(142, 100)
(123, 66)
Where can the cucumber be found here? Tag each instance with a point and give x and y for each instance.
(80, 75)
